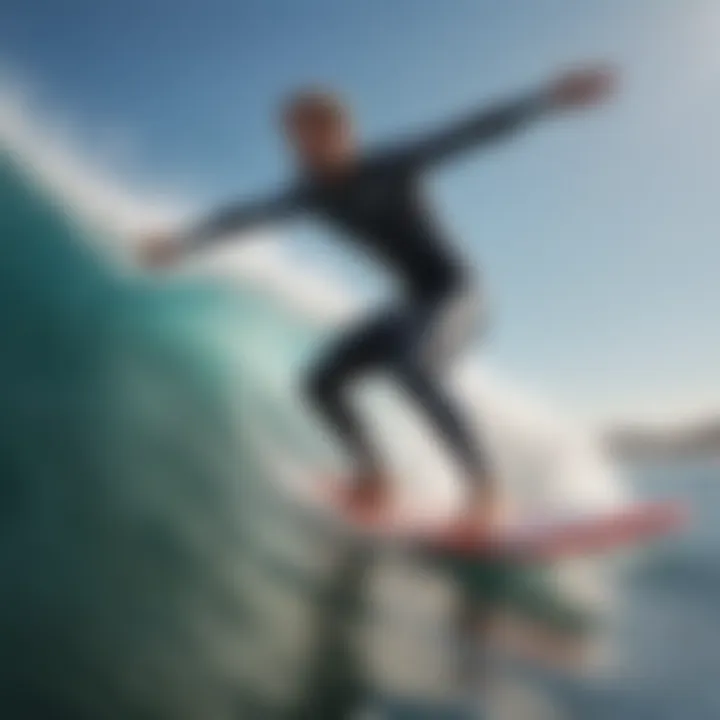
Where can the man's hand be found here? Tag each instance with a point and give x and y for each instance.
(159, 250)
(581, 88)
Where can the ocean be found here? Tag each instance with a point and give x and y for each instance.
(666, 640)
(152, 563)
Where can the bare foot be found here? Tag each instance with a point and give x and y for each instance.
(367, 495)
(486, 509)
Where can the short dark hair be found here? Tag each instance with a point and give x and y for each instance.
(314, 99)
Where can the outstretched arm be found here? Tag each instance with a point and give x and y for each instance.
(165, 248)
(576, 89)
(237, 218)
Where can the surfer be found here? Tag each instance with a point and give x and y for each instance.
(374, 198)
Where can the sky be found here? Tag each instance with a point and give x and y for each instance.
(597, 233)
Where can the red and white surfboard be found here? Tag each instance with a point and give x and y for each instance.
(588, 533)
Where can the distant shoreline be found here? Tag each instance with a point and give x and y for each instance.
(637, 441)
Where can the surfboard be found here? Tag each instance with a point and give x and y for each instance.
(509, 570)
(586, 534)
(550, 539)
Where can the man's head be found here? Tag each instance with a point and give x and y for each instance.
(319, 127)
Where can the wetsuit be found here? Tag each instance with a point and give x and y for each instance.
(377, 205)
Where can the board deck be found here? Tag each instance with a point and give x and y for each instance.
(600, 532)
(589, 534)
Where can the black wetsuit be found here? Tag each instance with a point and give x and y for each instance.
(378, 205)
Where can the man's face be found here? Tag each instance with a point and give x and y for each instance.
(320, 137)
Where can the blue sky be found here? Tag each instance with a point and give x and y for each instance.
(597, 233)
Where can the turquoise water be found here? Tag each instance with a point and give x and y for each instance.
(146, 569)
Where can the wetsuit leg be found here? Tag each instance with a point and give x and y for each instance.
(413, 343)
(427, 390)
(369, 346)
(435, 332)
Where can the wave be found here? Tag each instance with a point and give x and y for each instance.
(150, 565)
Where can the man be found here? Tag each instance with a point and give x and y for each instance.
(374, 199)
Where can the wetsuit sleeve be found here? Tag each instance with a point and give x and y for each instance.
(474, 130)
(237, 218)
